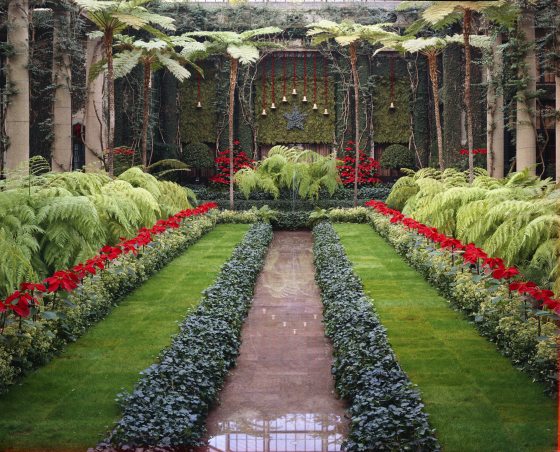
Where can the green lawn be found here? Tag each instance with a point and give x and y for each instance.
(69, 404)
(476, 399)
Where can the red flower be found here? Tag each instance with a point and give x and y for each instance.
(64, 280)
(32, 286)
(19, 303)
(505, 272)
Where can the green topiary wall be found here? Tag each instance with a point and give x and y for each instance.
(391, 126)
(452, 100)
(198, 125)
(318, 127)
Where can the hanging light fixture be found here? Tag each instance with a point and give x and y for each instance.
(284, 79)
(304, 77)
(273, 90)
(326, 91)
(315, 108)
(294, 90)
(198, 98)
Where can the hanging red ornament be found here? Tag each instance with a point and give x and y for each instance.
(263, 76)
(315, 81)
(304, 77)
(326, 92)
(294, 90)
(198, 99)
(273, 77)
(284, 78)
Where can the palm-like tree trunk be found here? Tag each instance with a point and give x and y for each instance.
(432, 65)
(355, 79)
(146, 111)
(234, 66)
(108, 43)
(466, 34)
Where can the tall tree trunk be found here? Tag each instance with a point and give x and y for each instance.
(495, 115)
(146, 111)
(526, 139)
(110, 103)
(432, 65)
(62, 103)
(17, 75)
(468, 107)
(356, 81)
(234, 66)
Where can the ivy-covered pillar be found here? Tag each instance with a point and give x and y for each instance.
(17, 111)
(451, 92)
(62, 103)
(95, 139)
(526, 139)
(495, 114)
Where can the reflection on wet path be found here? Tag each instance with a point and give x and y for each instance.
(281, 397)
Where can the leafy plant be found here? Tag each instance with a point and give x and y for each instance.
(198, 156)
(367, 167)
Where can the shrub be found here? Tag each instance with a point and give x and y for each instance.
(397, 156)
(367, 167)
(386, 411)
(169, 403)
(197, 155)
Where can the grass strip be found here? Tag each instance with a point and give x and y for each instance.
(70, 403)
(476, 399)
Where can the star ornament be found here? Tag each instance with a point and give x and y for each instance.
(296, 119)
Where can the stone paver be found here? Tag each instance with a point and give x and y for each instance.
(281, 395)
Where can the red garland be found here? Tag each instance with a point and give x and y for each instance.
(264, 87)
(314, 77)
(284, 72)
(198, 87)
(272, 81)
(305, 74)
(326, 81)
(294, 67)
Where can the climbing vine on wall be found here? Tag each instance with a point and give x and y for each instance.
(391, 125)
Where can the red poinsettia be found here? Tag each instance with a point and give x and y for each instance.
(20, 303)
(367, 167)
(27, 286)
(65, 280)
(240, 160)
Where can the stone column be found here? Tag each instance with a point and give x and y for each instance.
(526, 140)
(95, 140)
(62, 104)
(495, 116)
(17, 76)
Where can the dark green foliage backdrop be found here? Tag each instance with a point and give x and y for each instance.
(451, 95)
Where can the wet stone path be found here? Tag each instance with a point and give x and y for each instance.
(281, 395)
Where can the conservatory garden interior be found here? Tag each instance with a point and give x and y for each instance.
(279, 225)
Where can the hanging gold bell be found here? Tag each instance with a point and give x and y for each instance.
(284, 100)
(294, 92)
(315, 107)
(304, 99)
(273, 106)
(326, 112)
(263, 112)
(392, 106)
(199, 104)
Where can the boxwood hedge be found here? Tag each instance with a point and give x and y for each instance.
(169, 404)
(385, 409)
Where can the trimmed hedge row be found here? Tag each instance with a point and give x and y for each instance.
(386, 410)
(379, 191)
(286, 205)
(170, 402)
(497, 313)
(34, 343)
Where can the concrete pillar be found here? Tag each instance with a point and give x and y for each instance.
(17, 76)
(95, 139)
(526, 139)
(495, 115)
(62, 104)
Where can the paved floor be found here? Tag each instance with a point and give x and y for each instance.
(281, 397)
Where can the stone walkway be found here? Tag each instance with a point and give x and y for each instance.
(281, 395)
